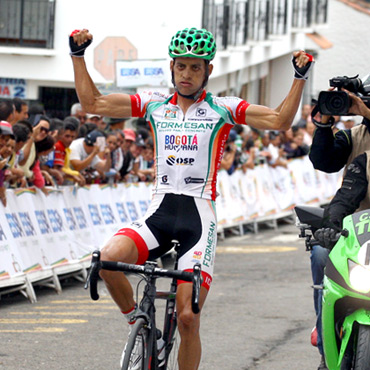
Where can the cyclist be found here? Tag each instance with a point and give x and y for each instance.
(190, 128)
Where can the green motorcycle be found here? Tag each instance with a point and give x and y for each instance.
(346, 289)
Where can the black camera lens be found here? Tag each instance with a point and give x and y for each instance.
(334, 103)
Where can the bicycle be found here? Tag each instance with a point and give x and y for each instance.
(145, 329)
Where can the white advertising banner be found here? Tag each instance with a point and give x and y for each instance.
(39, 232)
(136, 73)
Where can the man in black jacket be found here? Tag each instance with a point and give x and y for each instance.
(330, 153)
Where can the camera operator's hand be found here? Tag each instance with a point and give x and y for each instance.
(358, 107)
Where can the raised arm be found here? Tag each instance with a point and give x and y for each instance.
(112, 105)
(282, 117)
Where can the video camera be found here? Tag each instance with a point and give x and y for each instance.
(337, 103)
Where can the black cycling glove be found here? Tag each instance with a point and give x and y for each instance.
(77, 50)
(301, 73)
(327, 237)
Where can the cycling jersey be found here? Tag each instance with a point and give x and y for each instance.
(188, 148)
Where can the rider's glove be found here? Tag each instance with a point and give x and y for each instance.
(327, 237)
(77, 50)
(301, 73)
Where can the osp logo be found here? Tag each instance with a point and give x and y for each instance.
(172, 160)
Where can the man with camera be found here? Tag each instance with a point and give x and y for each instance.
(330, 153)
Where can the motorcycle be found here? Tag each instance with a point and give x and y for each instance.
(346, 288)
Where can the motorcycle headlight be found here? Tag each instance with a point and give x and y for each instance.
(359, 277)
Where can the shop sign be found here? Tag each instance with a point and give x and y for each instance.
(13, 88)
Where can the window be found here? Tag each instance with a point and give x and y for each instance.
(27, 23)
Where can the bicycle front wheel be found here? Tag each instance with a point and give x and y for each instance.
(136, 350)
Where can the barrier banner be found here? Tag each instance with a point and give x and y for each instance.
(283, 190)
(39, 232)
(265, 191)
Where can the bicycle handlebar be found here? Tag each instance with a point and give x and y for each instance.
(149, 270)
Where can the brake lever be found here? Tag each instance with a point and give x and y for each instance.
(197, 282)
(93, 275)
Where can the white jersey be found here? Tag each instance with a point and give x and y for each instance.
(188, 148)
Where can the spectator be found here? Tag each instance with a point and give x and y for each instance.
(98, 121)
(239, 129)
(249, 155)
(116, 160)
(305, 113)
(130, 137)
(115, 124)
(287, 142)
(55, 125)
(5, 135)
(93, 118)
(144, 133)
(20, 110)
(309, 132)
(78, 112)
(143, 166)
(229, 160)
(22, 133)
(35, 110)
(348, 122)
(133, 155)
(61, 169)
(118, 156)
(299, 148)
(39, 132)
(277, 154)
(40, 177)
(84, 157)
(263, 154)
(6, 152)
(6, 110)
(86, 128)
(256, 136)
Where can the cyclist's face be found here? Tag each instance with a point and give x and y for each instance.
(189, 74)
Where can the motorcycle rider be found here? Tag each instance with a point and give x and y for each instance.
(330, 153)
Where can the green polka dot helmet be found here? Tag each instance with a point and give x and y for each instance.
(193, 43)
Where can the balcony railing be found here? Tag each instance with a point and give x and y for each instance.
(27, 23)
(239, 22)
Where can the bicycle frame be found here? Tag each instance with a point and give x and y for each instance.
(151, 272)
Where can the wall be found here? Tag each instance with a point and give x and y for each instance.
(350, 54)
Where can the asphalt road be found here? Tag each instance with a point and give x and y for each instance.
(258, 315)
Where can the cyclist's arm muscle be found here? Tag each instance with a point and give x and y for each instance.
(281, 118)
(112, 105)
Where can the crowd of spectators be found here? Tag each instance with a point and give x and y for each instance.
(41, 151)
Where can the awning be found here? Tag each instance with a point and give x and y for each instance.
(319, 40)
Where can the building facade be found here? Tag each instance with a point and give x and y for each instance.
(255, 40)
